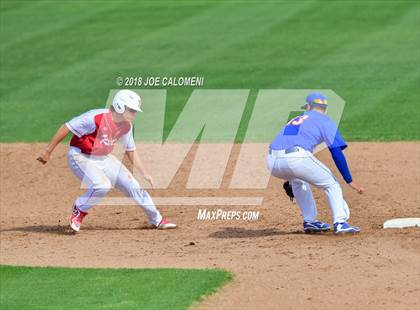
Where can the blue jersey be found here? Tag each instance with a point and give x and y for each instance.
(307, 131)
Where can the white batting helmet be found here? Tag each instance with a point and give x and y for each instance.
(126, 98)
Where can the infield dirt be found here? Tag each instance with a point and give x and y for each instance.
(275, 265)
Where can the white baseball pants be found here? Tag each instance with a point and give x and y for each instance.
(301, 169)
(100, 174)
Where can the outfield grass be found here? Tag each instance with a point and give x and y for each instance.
(60, 58)
(71, 288)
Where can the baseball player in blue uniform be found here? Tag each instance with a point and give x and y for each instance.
(291, 158)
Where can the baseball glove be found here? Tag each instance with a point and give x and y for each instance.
(288, 189)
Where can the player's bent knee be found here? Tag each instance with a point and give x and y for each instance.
(297, 183)
(300, 185)
(103, 186)
(332, 186)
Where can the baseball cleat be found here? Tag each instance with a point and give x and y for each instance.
(344, 227)
(315, 227)
(165, 224)
(76, 218)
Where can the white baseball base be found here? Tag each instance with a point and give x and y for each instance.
(403, 222)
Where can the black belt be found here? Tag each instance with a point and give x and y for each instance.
(292, 149)
(286, 151)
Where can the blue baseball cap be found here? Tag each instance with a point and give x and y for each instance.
(316, 100)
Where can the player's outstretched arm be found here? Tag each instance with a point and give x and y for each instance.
(138, 164)
(341, 163)
(56, 139)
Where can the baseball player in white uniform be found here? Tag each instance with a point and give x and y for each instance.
(94, 136)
